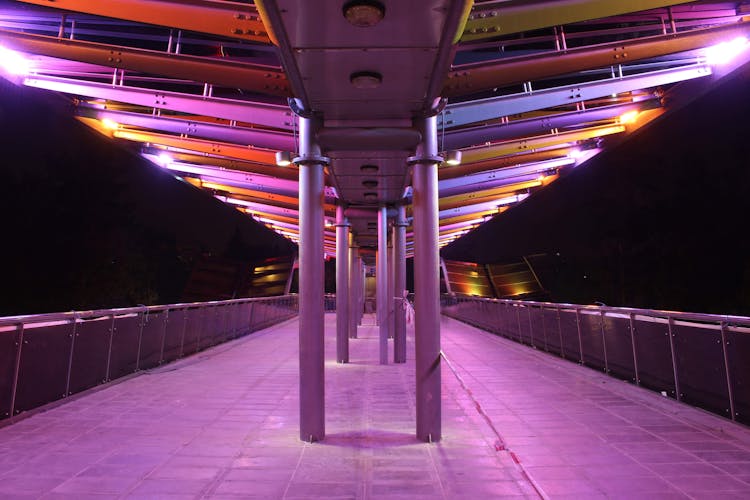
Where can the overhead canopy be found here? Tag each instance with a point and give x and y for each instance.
(525, 91)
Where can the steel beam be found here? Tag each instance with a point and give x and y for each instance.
(342, 286)
(543, 141)
(473, 78)
(457, 115)
(544, 125)
(227, 19)
(478, 196)
(222, 72)
(217, 148)
(259, 138)
(235, 178)
(503, 18)
(267, 115)
(427, 283)
(503, 176)
(399, 279)
(287, 173)
(311, 286)
(449, 172)
(482, 207)
(381, 273)
(261, 208)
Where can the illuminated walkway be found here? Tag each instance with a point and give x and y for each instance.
(224, 424)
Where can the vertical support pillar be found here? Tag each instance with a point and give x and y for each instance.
(342, 286)
(390, 289)
(311, 284)
(399, 279)
(362, 289)
(353, 287)
(381, 273)
(427, 282)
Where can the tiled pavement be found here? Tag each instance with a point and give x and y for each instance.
(224, 424)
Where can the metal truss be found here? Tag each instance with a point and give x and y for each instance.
(223, 72)
(456, 115)
(268, 115)
(505, 18)
(194, 128)
(246, 153)
(545, 124)
(473, 78)
(227, 19)
(534, 143)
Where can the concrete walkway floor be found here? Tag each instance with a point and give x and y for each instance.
(516, 423)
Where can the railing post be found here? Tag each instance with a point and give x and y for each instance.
(184, 330)
(559, 330)
(604, 341)
(635, 352)
(73, 336)
(109, 349)
(142, 315)
(531, 326)
(163, 335)
(727, 371)
(16, 370)
(580, 339)
(518, 318)
(670, 321)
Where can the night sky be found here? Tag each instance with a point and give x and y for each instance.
(89, 224)
(660, 221)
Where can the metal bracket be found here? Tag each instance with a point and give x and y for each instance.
(310, 159)
(413, 160)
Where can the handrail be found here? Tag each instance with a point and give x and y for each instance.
(96, 313)
(55, 355)
(703, 317)
(695, 358)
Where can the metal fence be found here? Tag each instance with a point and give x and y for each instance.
(46, 357)
(700, 359)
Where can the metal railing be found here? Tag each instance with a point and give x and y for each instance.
(46, 357)
(700, 359)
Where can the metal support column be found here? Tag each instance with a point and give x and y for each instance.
(390, 288)
(311, 284)
(399, 279)
(342, 286)
(381, 274)
(353, 287)
(427, 282)
(362, 288)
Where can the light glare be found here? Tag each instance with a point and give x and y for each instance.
(110, 124)
(13, 62)
(629, 117)
(724, 52)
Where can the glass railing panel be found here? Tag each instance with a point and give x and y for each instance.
(125, 340)
(699, 358)
(90, 353)
(569, 332)
(591, 338)
(619, 345)
(654, 354)
(9, 337)
(152, 339)
(43, 372)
